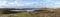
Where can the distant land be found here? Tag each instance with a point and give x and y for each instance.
(22, 8)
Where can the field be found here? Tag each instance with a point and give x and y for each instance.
(26, 14)
(42, 13)
(23, 14)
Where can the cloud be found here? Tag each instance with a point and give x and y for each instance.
(21, 4)
(51, 3)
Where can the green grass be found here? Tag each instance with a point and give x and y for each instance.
(22, 14)
(26, 14)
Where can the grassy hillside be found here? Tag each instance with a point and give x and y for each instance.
(43, 13)
(23, 14)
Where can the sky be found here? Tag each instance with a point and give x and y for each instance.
(29, 3)
(20, 4)
(51, 3)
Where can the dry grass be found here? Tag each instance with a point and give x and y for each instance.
(47, 13)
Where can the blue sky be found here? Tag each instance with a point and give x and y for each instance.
(29, 3)
(51, 3)
(20, 4)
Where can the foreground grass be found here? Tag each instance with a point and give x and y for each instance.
(26, 14)
(22, 14)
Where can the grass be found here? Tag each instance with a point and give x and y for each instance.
(26, 14)
(22, 14)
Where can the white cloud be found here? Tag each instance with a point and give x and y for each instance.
(57, 2)
(17, 4)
